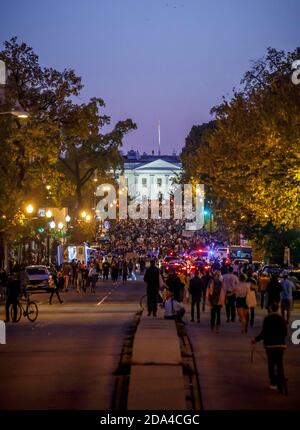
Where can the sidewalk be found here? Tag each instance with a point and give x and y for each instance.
(156, 379)
(228, 379)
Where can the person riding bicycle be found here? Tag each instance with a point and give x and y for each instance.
(273, 334)
(13, 291)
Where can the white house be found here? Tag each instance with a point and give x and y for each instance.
(149, 176)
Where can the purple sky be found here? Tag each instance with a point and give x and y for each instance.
(154, 60)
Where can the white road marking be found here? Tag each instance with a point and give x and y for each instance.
(104, 298)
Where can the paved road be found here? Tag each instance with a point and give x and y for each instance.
(65, 360)
(228, 379)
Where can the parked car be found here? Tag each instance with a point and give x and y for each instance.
(37, 278)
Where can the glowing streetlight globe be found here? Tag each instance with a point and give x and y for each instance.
(88, 218)
(83, 214)
(29, 209)
(68, 218)
(60, 225)
(48, 213)
(52, 224)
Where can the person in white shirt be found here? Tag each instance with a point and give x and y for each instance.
(241, 305)
(230, 282)
(174, 310)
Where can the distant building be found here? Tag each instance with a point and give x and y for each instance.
(148, 176)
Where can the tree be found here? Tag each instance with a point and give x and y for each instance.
(85, 149)
(30, 147)
(59, 145)
(251, 160)
(195, 142)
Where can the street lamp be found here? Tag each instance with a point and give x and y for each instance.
(50, 225)
(22, 114)
(60, 226)
(68, 218)
(88, 218)
(83, 214)
(29, 208)
(49, 214)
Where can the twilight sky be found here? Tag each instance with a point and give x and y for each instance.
(151, 60)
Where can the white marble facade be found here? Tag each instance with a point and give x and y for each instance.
(149, 175)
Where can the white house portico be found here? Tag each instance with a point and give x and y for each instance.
(149, 176)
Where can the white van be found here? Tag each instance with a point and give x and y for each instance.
(222, 253)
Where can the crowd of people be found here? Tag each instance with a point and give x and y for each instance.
(238, 293)
(137, 247)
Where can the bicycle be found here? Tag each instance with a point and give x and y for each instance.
(27, 308)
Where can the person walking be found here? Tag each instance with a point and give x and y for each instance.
(130, 268)
(216, 297)
(273, 291)
(273, 334)
(205, 280)
(263, 282)
(230, 282)
(105, 267)
(251, 297)
(114, 271)
(195, 289)
(152, 280)
(286, 297)
(92, 277)
(66, 273)
(175, 286)
(241, 292)
(79, 278)
(13, 289)
(53, 284)
(124, 272)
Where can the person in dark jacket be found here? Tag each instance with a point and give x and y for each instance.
(13, 292)
(152, 280)
(175, 286)
(205, 280)
(273, 290)
(273, 334)
(105, 268)
(124, 271)
(196, 292)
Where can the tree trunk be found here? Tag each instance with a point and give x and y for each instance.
(78, 196)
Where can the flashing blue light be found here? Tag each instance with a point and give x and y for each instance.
(206, 212)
